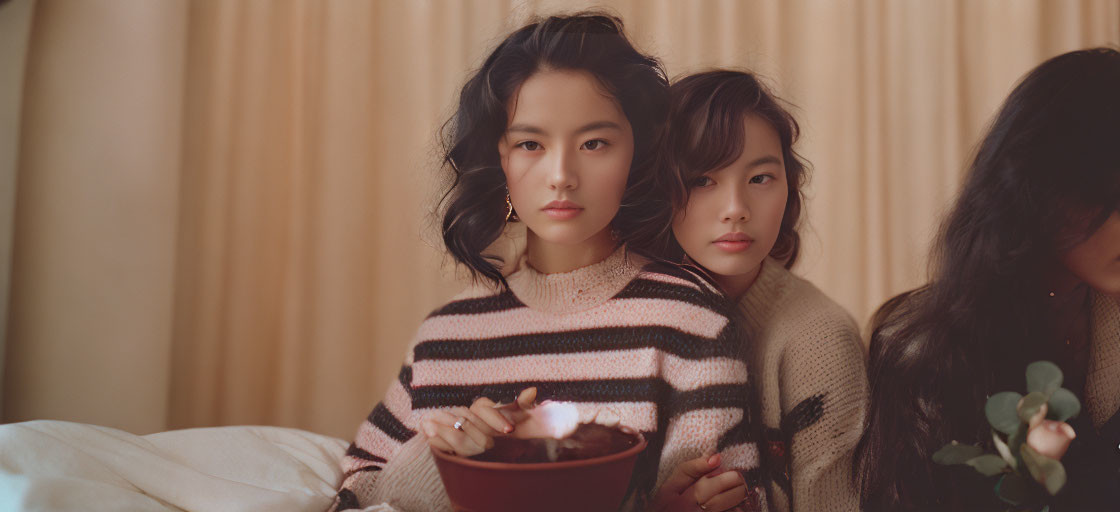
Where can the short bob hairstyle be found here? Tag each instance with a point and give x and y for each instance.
(706, 133)
(474, 205)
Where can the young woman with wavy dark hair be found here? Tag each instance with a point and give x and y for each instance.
(1026, 268)
(560, 129)
(738, 205)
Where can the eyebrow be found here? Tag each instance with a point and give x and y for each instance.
(597, 125)
(770, 159)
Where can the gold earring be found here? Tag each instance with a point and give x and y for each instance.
(511, 216)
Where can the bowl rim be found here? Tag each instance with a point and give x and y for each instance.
(544, 466)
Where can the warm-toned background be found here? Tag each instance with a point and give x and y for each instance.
(216, 211)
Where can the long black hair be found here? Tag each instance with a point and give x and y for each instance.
(1045, 177)
(706, 113)
(474, 206)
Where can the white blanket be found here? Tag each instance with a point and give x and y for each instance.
(57, 465)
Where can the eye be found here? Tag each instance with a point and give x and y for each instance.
(594, 144)
(762, 179)
(703, 181)
(528, 145)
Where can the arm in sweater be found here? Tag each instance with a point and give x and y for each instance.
(709, 410)
(713, 418)
(391, 423)
(824, 399)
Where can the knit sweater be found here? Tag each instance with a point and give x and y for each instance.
(810, 368)
(1102, 383)
(649, 341)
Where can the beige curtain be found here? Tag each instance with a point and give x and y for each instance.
(15, 25)
(222, 212)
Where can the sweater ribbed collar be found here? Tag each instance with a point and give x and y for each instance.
(577, 290)
(762, 299)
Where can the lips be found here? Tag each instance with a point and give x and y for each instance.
(733, 242)
(561, 210)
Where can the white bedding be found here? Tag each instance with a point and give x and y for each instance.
(57, 465)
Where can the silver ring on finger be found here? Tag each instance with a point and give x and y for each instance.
(459, 424)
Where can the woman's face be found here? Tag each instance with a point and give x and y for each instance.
(734, 214)
(1096, 261)
(566, 155)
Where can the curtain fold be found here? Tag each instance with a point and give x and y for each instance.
(288, 154)
(93, 262)
(15, 28)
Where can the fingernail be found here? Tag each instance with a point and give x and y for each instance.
(713, 461)
(509, 428)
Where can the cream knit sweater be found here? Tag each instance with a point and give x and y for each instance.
(1102, 384)
(810, 368)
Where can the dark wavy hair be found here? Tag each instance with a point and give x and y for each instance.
(474, 206)
(706, 113)
(1045, 177)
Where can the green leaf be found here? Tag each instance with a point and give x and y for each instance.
(1014, 441)
(1063, 405)
(1043, 377)
(1043, 469)
(1030, 405)
(955, 453)
(1055, 476)
(988, 464)
(1004, 450)
(1013, 489)
(1001, 411)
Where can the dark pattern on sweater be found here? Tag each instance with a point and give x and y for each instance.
(605, 390)
(778, 440)
(354, 451)
(382, 418)
(347, 500)
(477, 306)
(649, 289)
(405, 377)
(665, 339)
(803, 415)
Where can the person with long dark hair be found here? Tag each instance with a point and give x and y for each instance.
(1026, 268)
(738, 202)
(560, 129)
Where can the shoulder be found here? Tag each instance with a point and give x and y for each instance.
(672, 281)
(682, 299)
(805, 310)
(816, 337)
(676, 290)
(478, 298)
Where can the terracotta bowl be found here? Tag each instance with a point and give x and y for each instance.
(590, 485)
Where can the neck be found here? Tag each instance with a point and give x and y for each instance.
(735, 286)
(554, 258)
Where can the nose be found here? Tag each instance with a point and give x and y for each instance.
(735, 207)
(562, 172)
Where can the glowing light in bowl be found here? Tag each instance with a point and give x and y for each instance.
(555, 420)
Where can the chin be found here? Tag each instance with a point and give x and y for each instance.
(729, 267)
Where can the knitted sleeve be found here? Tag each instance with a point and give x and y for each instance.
(824, 401)
(708, 408)
(386, 428)
(711, 415)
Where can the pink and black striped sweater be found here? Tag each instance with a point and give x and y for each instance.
(648, 341)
